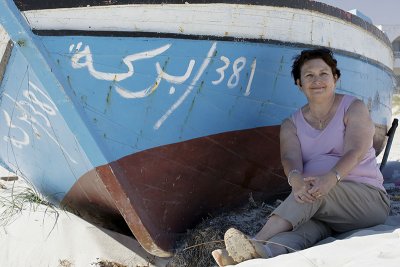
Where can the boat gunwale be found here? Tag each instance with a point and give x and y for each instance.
(25, 5)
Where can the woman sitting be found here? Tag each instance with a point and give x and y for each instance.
(327, 155)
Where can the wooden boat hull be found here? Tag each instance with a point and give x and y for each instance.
(217, 180)
(145, 126)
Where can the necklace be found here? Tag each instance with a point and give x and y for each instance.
(321, 124)
(322, 121)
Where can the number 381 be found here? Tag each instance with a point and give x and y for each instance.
(237, 66)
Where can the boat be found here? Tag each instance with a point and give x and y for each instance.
(147, 116)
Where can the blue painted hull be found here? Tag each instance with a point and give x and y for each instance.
(136, 116)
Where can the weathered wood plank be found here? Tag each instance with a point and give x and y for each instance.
(5, 51)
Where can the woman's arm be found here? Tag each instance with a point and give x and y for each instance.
(290, 148)
(292, 162)
(358, 137)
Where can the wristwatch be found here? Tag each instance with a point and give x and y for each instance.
(338, 177)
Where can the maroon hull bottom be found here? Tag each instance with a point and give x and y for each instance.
(159, 193)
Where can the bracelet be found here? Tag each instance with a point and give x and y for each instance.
(290, 174)
(338, 177)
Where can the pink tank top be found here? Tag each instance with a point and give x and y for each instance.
(322, 149)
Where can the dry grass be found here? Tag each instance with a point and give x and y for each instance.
(65, 263)
(106, 263)
(196, 246)
(20, 198)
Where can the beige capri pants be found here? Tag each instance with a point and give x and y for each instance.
(348, 206)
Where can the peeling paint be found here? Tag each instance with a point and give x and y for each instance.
(278, 73)
(369, 104)
(108, 98)
(21, 42)
(69, 81)
(84, 99)
(5, 52)
(165, 64)
(200, 87)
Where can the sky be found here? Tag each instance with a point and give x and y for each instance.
(385, 12)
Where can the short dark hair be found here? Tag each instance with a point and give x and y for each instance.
(306, 55)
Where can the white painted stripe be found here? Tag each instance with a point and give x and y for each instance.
(229, 20)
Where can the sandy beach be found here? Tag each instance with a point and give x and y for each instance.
(35, 233)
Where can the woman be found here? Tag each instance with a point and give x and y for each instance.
(328, 158)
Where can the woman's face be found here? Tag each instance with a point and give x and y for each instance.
(316, 79)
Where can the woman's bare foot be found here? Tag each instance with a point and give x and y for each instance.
(222, 257)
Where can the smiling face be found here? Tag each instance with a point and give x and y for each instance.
(317, 80)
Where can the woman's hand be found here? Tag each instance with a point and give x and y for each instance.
(302, 195)
(300, 190)
(321, 185)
